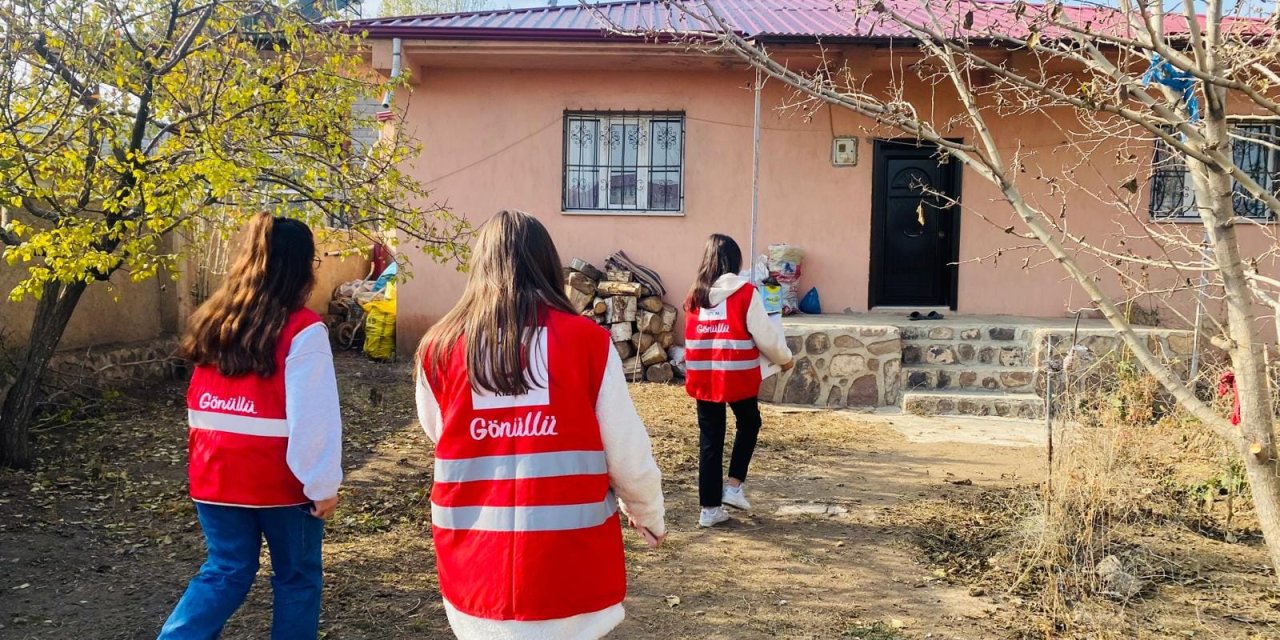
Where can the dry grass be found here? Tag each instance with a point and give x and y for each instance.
(940, 539)
(1140, 511)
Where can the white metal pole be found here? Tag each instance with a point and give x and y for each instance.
(1195, 335)
(755, 178)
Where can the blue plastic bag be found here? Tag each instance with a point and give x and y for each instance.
(810, 303)
(388, 275)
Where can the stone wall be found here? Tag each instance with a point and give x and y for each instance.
(1173, 346)
(839, 367)
(119, 366)
(980, 357)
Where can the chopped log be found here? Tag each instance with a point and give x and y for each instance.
(581, 282)
(620, 309)
(652, 304)
(632, 370)
(608, 288)
(666, 339)
(653, 355)
(661, 373)
(642, 341)
(668, 318)
(625, 349)
(586, 268)
(621, 260)
(598, 306)
(579, 299)
(617, 275)
(676, 354)
(621, 331)
(648, 322)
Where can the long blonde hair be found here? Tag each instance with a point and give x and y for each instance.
(515, 278)
(238, 327)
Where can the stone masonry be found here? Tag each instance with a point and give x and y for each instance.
(839, 366)
(982, 366)
(969, 367)
(119, 366)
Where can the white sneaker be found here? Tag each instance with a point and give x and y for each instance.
(735, 497)
(712, 516)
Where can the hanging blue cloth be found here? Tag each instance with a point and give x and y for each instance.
(1164, 73)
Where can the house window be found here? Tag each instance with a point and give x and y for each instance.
(623, 162)
(1255, 149)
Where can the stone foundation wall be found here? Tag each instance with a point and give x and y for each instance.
(959, 357)
(839, 367)
(119, 366)
(1172, 346)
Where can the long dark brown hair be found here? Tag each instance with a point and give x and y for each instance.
(721, 256)
(238, 327)
(515, 277)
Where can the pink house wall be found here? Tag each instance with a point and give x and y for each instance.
(492, 139)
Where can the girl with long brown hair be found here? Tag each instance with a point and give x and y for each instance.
(265, 436)
(726, 332)
(538, 447)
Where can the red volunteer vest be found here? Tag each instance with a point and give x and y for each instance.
(524, 523)
(239, 436)
(722, 363)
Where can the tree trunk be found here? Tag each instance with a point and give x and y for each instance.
(53, 311)
(1256, 436)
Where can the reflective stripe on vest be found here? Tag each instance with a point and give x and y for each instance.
(521, 467)
(523, 519)
(722, 365)
(720, 343)
(244, 425)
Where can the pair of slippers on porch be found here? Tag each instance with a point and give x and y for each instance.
(933, 315)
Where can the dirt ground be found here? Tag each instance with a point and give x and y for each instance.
(862, 528)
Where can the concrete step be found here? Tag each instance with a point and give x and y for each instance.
(973, 403)
(948, 353)
(958, 377)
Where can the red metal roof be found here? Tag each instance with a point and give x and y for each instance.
(762, 19)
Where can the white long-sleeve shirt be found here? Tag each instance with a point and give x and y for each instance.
(314, 452)
(634, 477)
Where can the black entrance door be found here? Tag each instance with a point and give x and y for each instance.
(914, 231)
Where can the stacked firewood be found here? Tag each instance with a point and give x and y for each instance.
(631, 307)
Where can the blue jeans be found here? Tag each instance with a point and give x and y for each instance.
(233, 537)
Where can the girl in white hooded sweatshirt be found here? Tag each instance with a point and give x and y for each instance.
(727, 331)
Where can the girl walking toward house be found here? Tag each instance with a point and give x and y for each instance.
(265, 437)
(538, 446)
(726, 332)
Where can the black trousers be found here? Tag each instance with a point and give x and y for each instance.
(711, 433)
